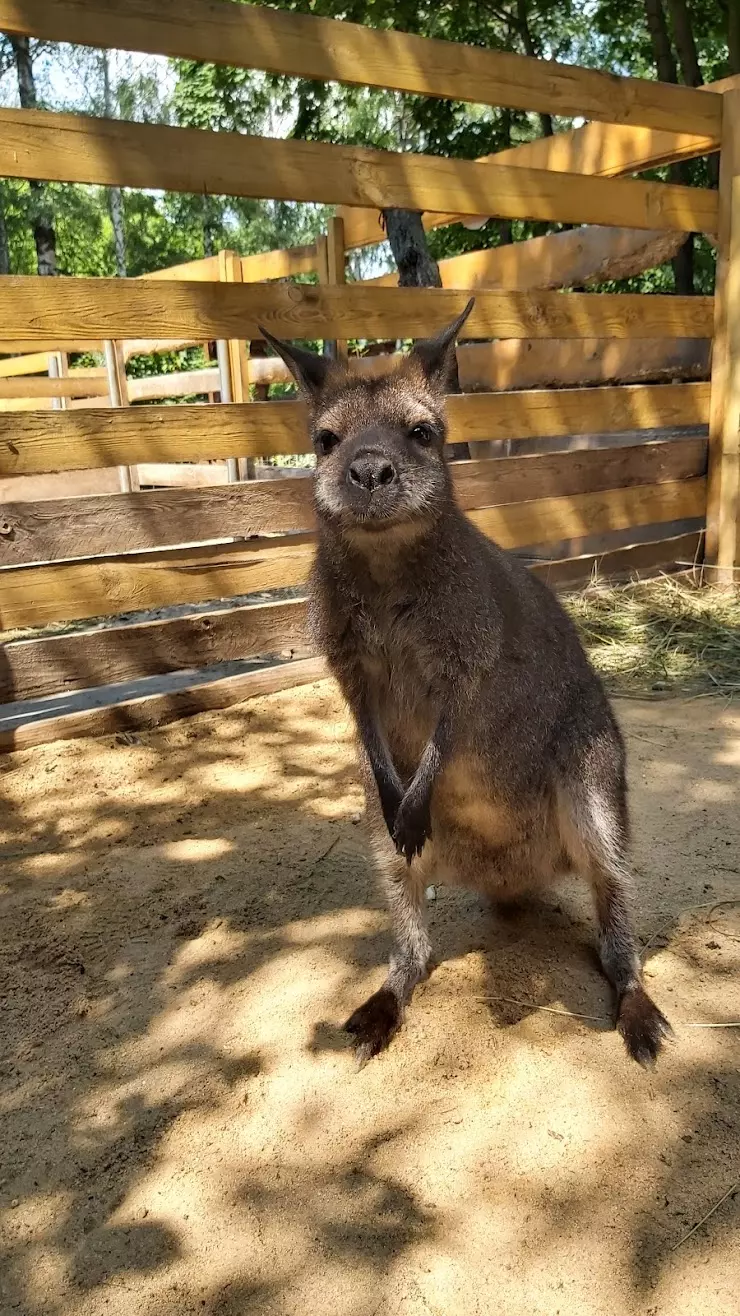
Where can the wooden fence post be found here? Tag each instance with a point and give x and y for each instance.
(237, 355)
(118, 393)
(336, 264)
(330, 256)
(723, 490)
(59, 369)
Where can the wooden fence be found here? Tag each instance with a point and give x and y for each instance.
(636, 499)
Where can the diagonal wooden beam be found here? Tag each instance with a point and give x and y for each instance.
(574, 258)
(597, 149)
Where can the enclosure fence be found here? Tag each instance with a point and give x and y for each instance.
(634, 476)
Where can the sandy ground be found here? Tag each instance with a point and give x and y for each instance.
(189, 916)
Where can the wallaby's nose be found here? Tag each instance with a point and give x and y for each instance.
(370, 470)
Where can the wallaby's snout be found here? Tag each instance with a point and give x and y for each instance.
(369, 471)
(387, 471)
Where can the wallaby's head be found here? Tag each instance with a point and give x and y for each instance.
(379, 442)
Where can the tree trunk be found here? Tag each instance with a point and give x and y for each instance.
(683, 36)
(665, 60)
(667, 69)
(683, 268)
(40, 210)
(733, 35)
(115, 195)
(530, 48)
(416, 267)
(505, 226)
(4, 244)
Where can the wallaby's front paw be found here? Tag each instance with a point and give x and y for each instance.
(373, 1024)
(413, 827)
(642, 1026)
(390, 803)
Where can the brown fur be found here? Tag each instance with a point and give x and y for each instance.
(489, 752)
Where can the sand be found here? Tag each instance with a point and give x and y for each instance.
(188, 917)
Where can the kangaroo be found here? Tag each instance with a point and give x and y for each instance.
(489, 752)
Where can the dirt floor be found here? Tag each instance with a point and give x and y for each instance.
(189, 915)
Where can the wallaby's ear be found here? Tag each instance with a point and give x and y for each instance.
(436, 356)
(307, 368)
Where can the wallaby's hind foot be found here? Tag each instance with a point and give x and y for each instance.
(642, 1025)
(595, 827)
(374, 1024)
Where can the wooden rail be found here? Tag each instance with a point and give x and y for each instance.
(120, 308)
(39, 595)
(67, 528)
(74, 149)
(34, 668)
(323, 49)
(34, 442)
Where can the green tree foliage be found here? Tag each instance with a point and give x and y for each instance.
(162, 230)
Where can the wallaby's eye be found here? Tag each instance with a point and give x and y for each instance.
(422, 434)
(326, 440)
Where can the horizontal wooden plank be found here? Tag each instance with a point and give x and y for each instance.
(521, 363)
(77, 149)
(104, 587)
(44, 531)
(177, 384)
(37, 595)
(183, 475)
(500, 481)
(543, 412)
(517, 363)
(35, 364)
(154, 710)
(205, 269)
(65, 528)
(597, 150)
(520, 524)
(635, 562)
(61, 485)
(126, 308)
(32, 669)
(69, 386)
(35, 442)
(265, 265)
(323, 49)
(28, 404)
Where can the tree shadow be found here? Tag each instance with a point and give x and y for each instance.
(188, 922)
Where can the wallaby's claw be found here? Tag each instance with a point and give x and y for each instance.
(373, 1024)
(643, 1027)
(413, 828)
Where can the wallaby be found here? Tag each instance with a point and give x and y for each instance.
(490, 755)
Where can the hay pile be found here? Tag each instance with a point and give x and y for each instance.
(668, 634)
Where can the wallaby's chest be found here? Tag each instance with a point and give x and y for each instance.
(400, 668)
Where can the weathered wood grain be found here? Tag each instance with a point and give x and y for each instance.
(68, 148)
(153, 710)
(31, 669)
(37, 595)
(323, 49)
(74, 527)
(32, 442)
(723, 510)
(128, 308)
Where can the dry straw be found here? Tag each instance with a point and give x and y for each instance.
(670, 633)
